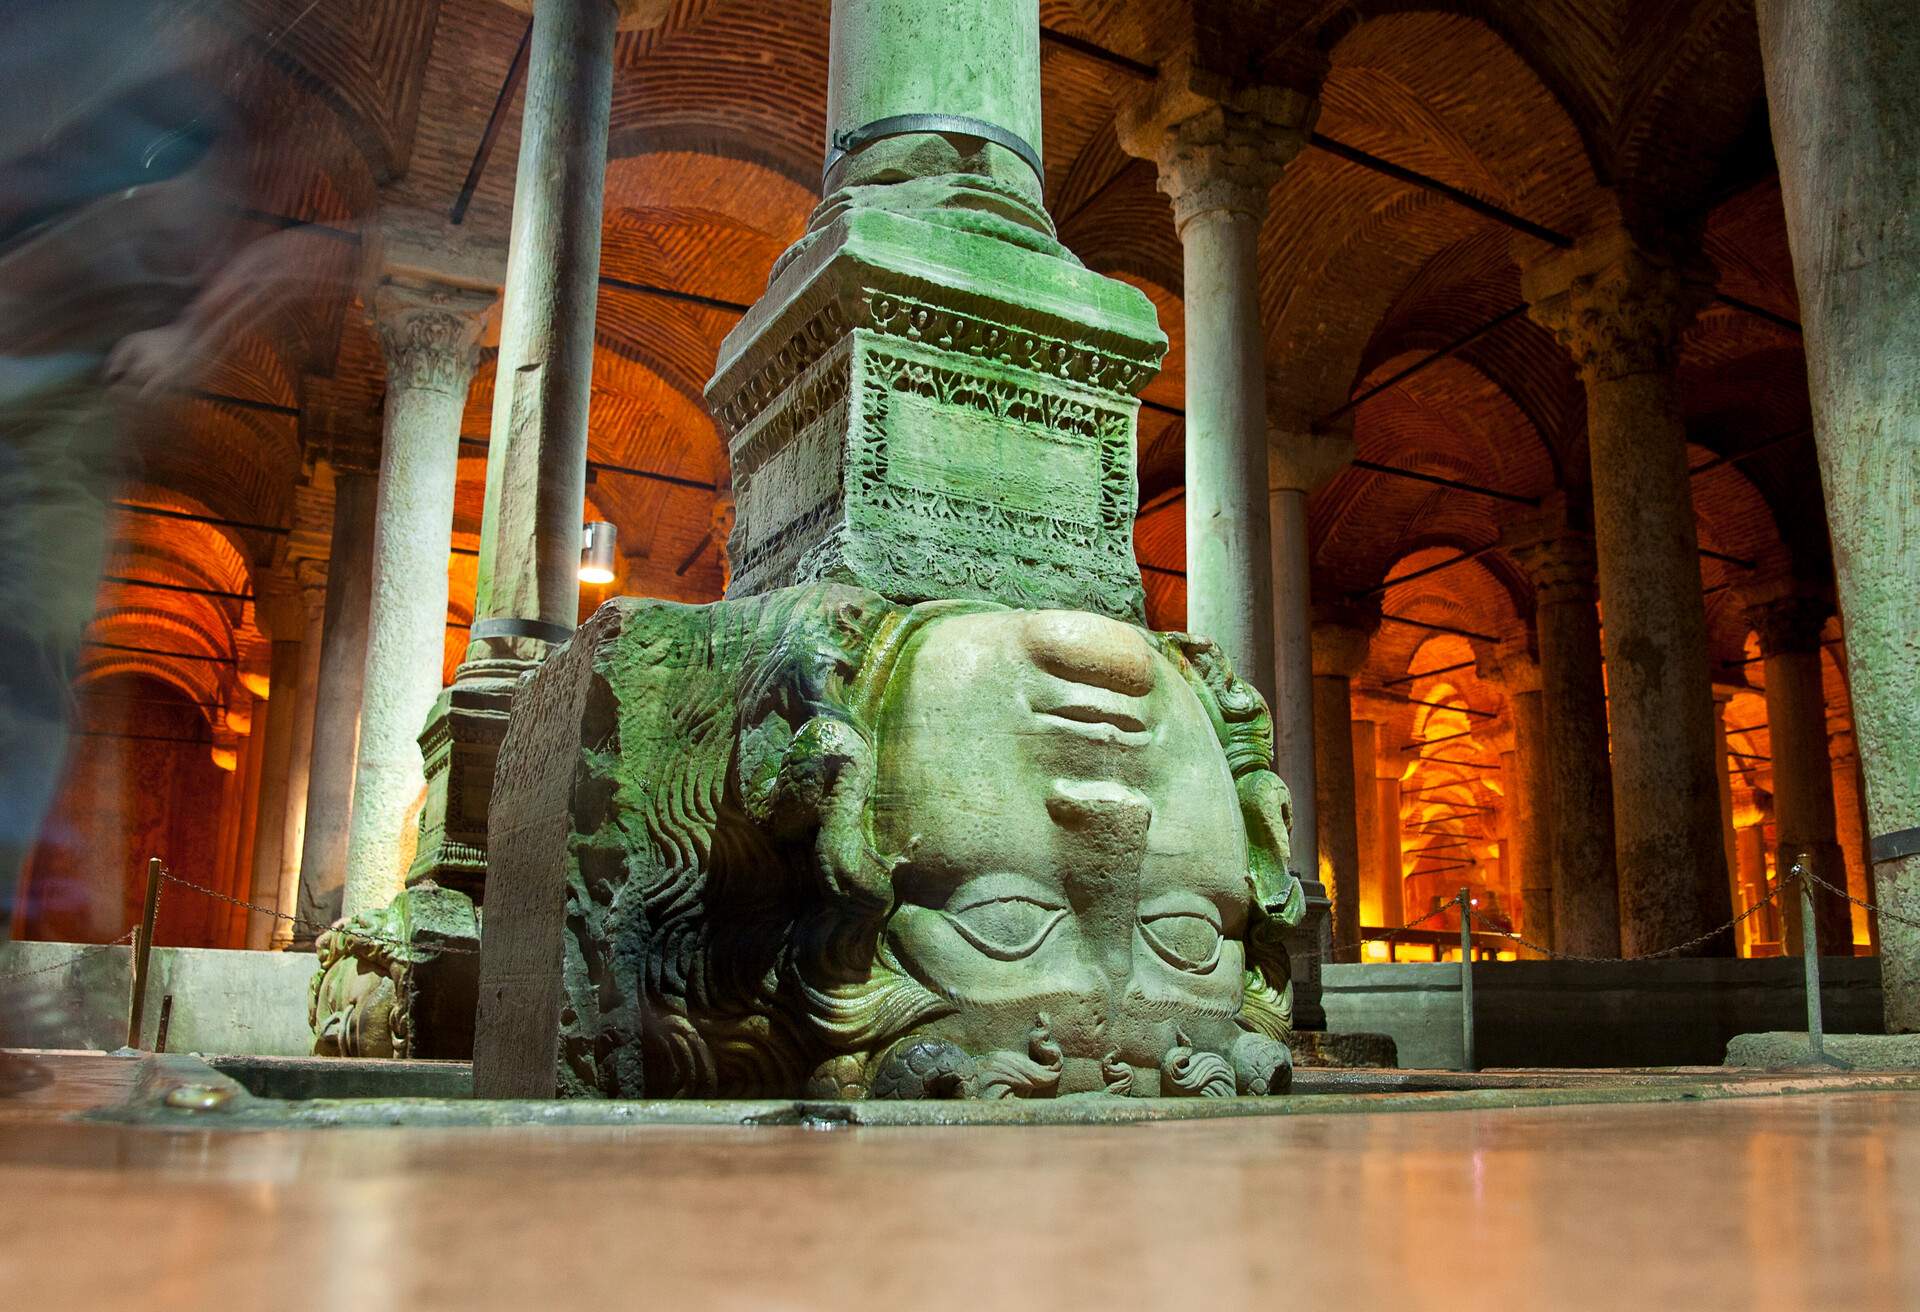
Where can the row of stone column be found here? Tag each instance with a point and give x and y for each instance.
(1626, 795)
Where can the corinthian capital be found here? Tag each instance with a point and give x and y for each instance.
(1618, 306)
(1219, 145)
(430, 333)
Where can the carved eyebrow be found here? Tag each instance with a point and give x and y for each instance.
(1004, 886)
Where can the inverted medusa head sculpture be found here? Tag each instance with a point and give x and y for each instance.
(823, 844)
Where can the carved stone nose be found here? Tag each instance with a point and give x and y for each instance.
(1090, 649)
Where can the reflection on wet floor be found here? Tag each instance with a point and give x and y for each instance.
(1770, 1202)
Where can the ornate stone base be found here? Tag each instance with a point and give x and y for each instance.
(460, 744)
(931, 412)
(400, 981)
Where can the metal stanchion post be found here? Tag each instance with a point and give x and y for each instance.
(143, 953)
(1810, 954)
(1466, 981)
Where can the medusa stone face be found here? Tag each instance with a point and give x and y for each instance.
(1070, 843)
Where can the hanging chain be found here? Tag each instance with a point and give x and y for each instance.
(67, 963)
(313, 927)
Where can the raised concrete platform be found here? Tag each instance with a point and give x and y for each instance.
(75, 995)
(1862, 1052)
(1578, 1014)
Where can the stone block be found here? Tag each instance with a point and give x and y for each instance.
(930, 412)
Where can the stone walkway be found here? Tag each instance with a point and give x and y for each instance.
(1795, 1201)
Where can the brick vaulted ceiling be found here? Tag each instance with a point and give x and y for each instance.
(1537, 106)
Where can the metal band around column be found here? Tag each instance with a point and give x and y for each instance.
(1895, 846)
(504, 627)
(899, 125)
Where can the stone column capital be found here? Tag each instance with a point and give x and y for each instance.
(1219, 144)
(1306, 461)
(1789, 622)
(1340, 642)
(1558, 560)
(1617, 305)
(430, 333)
(1510, 663)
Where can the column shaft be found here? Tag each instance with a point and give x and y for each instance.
(1337, 812)
(299, 776)
(336, 718)
(1529, 811)
(1803, 795)
(234, 934)
(529, 566)
(1292, 699)
(1673, 881)
(429, 338)
(1392, 881)
(1366, 824)
(1845, 112)
(1229, 556)
(276, 758)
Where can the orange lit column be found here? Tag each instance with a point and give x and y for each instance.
(1558, 560)
(1528, 847)
(1789, 629)
(1339, 650)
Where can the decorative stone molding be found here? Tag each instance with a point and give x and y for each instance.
(934, 413)
(1618, 306)
(1509, 663)
(1219, 145)
(430, 334)
(1562, 568)
(1790, 622)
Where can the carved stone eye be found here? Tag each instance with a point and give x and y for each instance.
(1183, 939)
(1007, 928)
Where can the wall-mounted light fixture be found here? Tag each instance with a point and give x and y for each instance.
(596, 552)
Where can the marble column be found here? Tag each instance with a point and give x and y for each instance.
(336, 714)
(527, 599)
(1558, 560)
(430, 335)
(1392, 880)
(293, 832)
(1619, 306)
(1845, 111)
(1723, 774)
(1339, 650)
(1219, 150)
(1789, 629)
(252, 755)
(1752, 811)
(281, 713)
(1366, 823)
(1528, 847)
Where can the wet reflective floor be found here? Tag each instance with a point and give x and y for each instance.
(1801, 1201)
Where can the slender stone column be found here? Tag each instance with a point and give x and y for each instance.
(1586, 907)
(1845, 111)
(1619, 307)
(1339, 650)
(430, 335)
(293, 831)
(1789, 628)
(1752, 808)
(1392, 881)
(528, 596)
(336, 714)
(1366, 823)
(1219, 150)
(1529, 783)
(276, 757)
(1723, 772)
(252, 754)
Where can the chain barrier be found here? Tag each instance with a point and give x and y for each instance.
(1677, 949)
(67, 963)
(1842, 893)
(1388, 937)
(311, 926)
